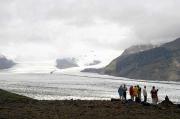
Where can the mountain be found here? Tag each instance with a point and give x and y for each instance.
(111, 68)
(66, 63)
(5, 63)
(159, 63)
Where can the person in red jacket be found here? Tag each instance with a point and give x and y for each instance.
(131, 92)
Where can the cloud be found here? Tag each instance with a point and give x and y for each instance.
(69, 27)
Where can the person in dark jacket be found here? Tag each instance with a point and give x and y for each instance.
(154, 95)
(139, 93)
(124, 92)
(120, 91)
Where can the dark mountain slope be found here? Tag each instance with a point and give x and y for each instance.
(160, 63)
(5, 63)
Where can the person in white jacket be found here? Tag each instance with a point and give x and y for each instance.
(145, 94)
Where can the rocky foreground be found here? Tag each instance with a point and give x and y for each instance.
(13, 106)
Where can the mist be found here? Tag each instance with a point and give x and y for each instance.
(49, 29)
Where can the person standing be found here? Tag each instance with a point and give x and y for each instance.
(124, 92)
(154, 95)
(145, 94)
(139, 93)
(120, 91)
(131, 92)
(135, 90)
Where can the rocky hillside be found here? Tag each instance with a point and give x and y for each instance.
(111, 68)
(5, 63)
(159, 63)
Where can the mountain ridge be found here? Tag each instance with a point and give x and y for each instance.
(159, 63)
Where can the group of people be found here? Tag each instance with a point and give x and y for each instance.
(135, 93)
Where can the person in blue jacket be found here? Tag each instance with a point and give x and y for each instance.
(120, 91)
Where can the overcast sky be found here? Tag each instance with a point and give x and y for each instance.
(54, 28)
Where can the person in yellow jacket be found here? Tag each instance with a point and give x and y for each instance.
(135, 91)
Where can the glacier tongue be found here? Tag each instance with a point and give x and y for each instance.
(32, 67)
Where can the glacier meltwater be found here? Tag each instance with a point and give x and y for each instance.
(60, 86)
(43, 81)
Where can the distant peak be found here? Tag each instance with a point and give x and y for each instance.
(138, 48)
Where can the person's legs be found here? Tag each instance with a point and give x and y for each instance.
(154, 101)
(145, 98)
(140, 97)
(120, 96)
(132, 98)
(125, 96)
(137, 99)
